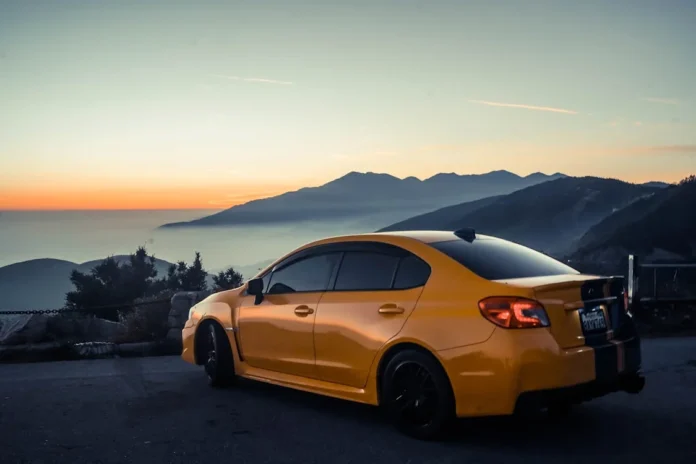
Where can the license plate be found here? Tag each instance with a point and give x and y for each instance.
(593, 319)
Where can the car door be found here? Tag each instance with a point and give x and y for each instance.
(374, 292)
(277, 334)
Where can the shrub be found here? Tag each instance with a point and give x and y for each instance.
(110, 287)
(227, 279)
(148, 320)
(187, 278)
(111, 284)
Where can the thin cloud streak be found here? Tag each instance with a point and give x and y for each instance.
(665, 101)
(254, 79)
(688, 149)
(525, 107)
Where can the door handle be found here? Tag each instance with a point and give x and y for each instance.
(390, 309)
(303, 310)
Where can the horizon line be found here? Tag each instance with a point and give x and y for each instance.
(58, 210)
(211, 208)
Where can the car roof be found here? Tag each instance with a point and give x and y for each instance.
(425, 236)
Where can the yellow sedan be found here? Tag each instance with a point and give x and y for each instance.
(429, 325)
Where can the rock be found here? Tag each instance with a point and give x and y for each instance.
(174, 335)
(69, 327)
(103, 330)
(95, 349)
(181, 303)
(23, 328)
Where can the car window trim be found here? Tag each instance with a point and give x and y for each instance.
(302, 258)
(343, 248)
(391, 288)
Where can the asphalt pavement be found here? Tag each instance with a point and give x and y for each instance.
(160, 410)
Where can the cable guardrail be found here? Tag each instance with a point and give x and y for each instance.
(87, 309)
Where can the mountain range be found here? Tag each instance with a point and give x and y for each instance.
(589, 221)
(550, 216)
(358, 195)
(656, 227)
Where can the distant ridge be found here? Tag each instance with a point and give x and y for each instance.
(658, 226)
(359, 194)
(549, 216)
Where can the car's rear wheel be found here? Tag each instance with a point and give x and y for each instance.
(217, 356)
(417, 395)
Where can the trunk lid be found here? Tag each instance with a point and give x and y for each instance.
(582, 309)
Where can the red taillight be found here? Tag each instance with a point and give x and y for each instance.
(514, 312)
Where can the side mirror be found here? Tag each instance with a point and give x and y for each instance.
(255, 287)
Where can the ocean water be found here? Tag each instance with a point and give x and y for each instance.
(81, 236)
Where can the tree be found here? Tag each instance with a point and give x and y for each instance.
(111, 284)
(120, 285)
(688, 180)
(181, 276)
(227, 279)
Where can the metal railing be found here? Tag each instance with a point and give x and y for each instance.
(94, 310)
(678, 287)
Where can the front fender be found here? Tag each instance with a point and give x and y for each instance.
(219, 308)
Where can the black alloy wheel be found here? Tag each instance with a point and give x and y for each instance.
(417, 395)
(218, 364)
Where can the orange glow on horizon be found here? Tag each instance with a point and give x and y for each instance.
(216, 197)
(126, 198)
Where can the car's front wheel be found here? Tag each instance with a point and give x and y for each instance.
(217, 356)
(417, 395)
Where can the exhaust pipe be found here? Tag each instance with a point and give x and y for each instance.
(632, 383)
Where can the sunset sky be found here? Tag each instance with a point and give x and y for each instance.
(205, 104)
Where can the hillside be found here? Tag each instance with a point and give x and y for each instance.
(362, 194)
(38, 283)
(43, 283)
(659, 227)
(550, 216)
(441, 218)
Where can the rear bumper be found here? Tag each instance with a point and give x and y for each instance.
(528, 367)
(630, 382)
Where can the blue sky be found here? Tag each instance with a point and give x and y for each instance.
(230, 100)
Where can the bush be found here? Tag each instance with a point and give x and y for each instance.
(111, 284)
(228, 279)
(111, 287)
(187, 278)
(148, 320)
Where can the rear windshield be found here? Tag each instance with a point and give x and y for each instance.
(495, 259)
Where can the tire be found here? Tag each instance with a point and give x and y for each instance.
(417, 396)
(218, 362)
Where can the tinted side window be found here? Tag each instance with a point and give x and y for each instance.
(306, 275)
(412, 272)
(499, 259)
(361, 270)
(266, 280)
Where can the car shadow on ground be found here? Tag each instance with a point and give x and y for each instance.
(594, 428)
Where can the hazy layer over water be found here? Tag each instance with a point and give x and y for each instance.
(81, 236)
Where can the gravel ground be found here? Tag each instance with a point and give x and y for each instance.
(152, 410)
